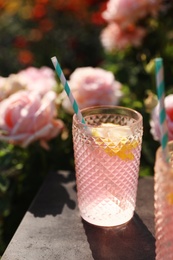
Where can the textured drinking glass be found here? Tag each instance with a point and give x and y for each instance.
(107, 163)
(164, 205)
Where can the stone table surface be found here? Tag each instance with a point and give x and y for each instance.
(53, 230)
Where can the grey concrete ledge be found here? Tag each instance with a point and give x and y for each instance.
(53, 230)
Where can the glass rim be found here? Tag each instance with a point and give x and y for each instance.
(108, 107)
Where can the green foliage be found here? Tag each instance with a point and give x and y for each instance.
(63, 31)
(21, 174)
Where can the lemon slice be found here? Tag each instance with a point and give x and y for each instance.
(170, 198)
(114, 139)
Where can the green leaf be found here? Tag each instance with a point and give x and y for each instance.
(4, 184)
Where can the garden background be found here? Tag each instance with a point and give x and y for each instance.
(32, 31)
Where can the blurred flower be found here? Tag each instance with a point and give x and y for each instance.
(92, 86)
(151, 101)
(20, 42)
(10, 85)
(12, 7)
(38, 80)
(25, 57)
(114, 37)
(77, 7)
(26, 117)
(2, 88)
(122, 17)
(46, 25)
(97, 17)
(32, 79)
(39, 11)
(155, 123)
(125, 12)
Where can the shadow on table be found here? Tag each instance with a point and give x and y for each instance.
(131, 241)
(53, 196)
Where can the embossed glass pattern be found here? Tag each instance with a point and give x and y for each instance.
(164, 205)
(107, 169)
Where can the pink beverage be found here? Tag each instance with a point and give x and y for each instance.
(164, 205)
(107, 157)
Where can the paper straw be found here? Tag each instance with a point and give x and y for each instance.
(162, 112)
(67, 89)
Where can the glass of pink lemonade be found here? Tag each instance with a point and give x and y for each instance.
(164, 204)
(107, 157)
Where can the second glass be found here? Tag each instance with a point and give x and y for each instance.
(163, 186)
(107, 157)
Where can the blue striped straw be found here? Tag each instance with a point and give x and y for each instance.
(67, 89)
(162, 113)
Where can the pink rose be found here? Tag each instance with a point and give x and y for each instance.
(26, 117)
(32, 79)
(114, 37)
(2, 88)
(155, 124)
(93, 86)
(125, 12)
(10, 85)
(40, 80)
